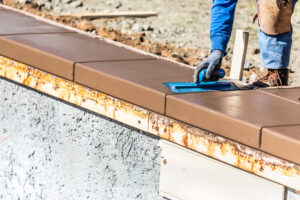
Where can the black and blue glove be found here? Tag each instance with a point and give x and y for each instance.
(211, 63)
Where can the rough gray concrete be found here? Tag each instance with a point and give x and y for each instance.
(52, 150)
(292, 195)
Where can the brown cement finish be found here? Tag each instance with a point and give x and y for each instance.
(289, 94)
(16, 23)
(238, 115)
(283, 142)
(138, 79)
(138, 82)
(57, 53)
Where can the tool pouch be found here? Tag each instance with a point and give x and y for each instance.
(274, 18)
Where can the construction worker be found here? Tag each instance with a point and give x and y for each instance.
(275, 38)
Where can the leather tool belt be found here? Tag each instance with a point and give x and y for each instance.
(274, 16)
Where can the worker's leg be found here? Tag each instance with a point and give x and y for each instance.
(275, 52)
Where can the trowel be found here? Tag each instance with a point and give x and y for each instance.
(203, 85)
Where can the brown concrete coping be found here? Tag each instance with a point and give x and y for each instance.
(238, 115)
(139, 82)
(138, 79)
(16, 23)
(57, 53)
(289, 94)
(283, 142)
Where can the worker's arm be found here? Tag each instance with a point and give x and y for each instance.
(222, 16)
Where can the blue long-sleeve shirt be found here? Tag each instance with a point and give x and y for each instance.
(222, 17)
(275, 50)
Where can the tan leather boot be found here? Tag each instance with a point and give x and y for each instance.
(273, 78)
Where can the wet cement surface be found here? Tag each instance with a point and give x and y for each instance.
(179, 23)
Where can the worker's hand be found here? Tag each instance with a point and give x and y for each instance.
(211, 63)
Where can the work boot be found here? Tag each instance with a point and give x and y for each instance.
(274, 78)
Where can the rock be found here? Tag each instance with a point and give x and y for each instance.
(86, 26)
(179, 30)
(76, 4)
(67, 1)
(136, 27)
(191, 61)
(245, 79)
(253, 77)
(119, 5)
(150, 28)
(165, 53)
(255, 51)
(47, 6)
(262, 69)
(227, 58)
(25, 1)
(248, 66)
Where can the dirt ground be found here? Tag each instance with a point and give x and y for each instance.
(179, 32)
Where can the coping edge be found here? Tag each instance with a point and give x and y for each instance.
(95, 36)
(217, 147)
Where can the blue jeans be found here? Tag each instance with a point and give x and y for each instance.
(276, 50)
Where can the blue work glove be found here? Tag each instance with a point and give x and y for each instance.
(211, 63)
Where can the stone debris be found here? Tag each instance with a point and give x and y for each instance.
(187, 29)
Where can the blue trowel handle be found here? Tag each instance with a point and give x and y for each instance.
(220, 73)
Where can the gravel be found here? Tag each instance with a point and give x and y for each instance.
(181, 23)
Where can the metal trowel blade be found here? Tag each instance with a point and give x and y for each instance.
(191, 87)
